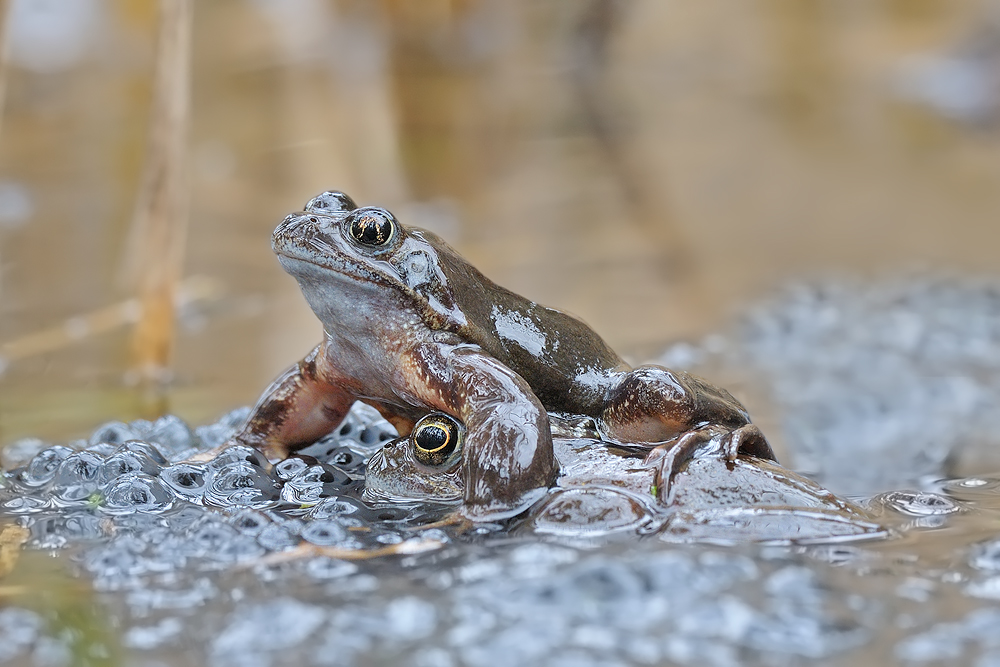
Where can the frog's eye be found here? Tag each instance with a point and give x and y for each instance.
(435, 438)
(329, 202)
(371, 226)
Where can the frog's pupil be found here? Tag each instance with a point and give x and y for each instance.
(371, 230)
(431, 438)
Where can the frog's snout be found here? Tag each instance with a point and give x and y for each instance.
(297, 228)
(285, 229)
(376, 464)
(293, 224)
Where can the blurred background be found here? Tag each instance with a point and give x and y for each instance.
(652, 167)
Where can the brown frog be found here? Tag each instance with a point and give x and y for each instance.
(412, 328)
(694, 495)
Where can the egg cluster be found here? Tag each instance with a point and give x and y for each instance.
(133, 493)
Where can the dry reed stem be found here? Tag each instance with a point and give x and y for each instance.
(12, 538)
(4, 62)
(606, 120)
(4, 52)
(160, 223)
(405, 548)
(99, 321)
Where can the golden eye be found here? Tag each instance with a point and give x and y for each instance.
(371, 226)
(435, 438)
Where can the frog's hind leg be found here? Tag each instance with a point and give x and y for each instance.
(300, 406)
(654, 404)
(674, 410)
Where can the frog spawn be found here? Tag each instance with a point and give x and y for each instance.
(169, 536)
(903, 374)
(150, 510)
(117, 475)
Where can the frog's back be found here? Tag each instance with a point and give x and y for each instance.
(568, 366)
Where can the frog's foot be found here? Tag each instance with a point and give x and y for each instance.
(749, 441)
(668, 458)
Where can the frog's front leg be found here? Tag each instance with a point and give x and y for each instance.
(508, 456)
(656, 405)
(749, 441)
(300, 406)
(668, 459)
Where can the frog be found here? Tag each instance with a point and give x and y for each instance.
(697, 495)
(410, 328)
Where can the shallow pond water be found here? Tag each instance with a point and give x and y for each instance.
(750, 143)
(219, 563)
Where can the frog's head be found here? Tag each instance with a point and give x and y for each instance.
(422, 466)
(344, 255)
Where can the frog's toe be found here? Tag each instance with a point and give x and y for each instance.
(669, 458)
(747, 440)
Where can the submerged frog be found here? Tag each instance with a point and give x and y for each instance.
(606, 488)
(412, 328)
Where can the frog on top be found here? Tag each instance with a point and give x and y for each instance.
(412, 328)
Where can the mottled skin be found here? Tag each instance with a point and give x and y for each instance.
(397, 471)
(411, 328)
(694, 495)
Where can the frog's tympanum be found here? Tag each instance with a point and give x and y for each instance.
(603, 488)
(412, 328)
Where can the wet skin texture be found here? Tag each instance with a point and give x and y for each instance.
(695, 495)
(412, 328)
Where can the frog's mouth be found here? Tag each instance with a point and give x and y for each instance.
(308, 239)
(302, 266)
(392, 475)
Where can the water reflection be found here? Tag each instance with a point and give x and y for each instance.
(646, 166)
(649, 166)
(49, 36)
